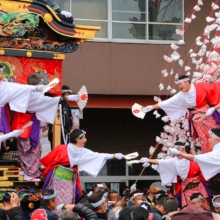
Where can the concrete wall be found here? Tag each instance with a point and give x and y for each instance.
(126, 69)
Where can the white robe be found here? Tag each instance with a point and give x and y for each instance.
(169, 169)
(209, 163)
(16, 95)
(45, 107)
(22, 98)
(87, 160)
(176, 106)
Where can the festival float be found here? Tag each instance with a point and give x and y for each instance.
(33, 39)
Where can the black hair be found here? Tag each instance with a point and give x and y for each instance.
(195, 195)
(47, 192)
(111, 192)
(161, 194)
(178, 143)
(65, 88)
(133, 213)
(183, 77)
(68, 215)
(170, 204)
(34, 79)
(74, 135)
(216, 131)
(95, 197)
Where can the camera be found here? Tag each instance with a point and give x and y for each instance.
(127, 193)
(6, 197)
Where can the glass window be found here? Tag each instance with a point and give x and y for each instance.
(129, 20)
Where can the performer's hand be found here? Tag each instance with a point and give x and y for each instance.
(147, 108)
(133, 187)
(73, 98)
(119, 156)
(66, 14)
(210, 111)
(144, 160)
(174, 151)
(16, 133)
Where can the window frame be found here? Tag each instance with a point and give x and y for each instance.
(110, 23)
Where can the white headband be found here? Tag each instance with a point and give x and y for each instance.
(49, 196)
(66, 90)
(197, 198)
(178, 81)
(179, 146)
(216, 204)
(97, 204)
(135, 195)
(213, 135)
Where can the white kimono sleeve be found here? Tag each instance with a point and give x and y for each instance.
(16, 95)
(175, 107)
(209, 163)
(45, 107)
(167, 171)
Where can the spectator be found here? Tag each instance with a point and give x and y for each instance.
(157, 211)
(169, 193)
(192, 212)
(170, 207)
(198, 200)
(12, 209)
(48, 204)
(216, 204)
(80, 209)
(151, 195)
(136, 197)
(121, 202)
(112, 198)
(160, 194)
(99, 202)
(133, 213)
(114, 213)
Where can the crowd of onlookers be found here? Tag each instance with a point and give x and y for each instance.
(155, 203)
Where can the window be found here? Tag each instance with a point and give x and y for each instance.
(143, 21)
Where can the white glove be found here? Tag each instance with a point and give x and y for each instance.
(73, 98)
(66, 14)
(133, 187)
(210, 111)
(119, 156)
(14, 133)
(147, 108)
(144, 160)
(174, 151)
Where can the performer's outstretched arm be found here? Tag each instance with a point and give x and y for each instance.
(147, 160)
(174, 151)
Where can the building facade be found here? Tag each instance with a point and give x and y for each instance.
(123, 66)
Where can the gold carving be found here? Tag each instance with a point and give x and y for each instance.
(29, 54)
(14, 6)
(36, 183)
(59, 56)
(31, 205)
(6, 183)
(48, 17)
(2, 52)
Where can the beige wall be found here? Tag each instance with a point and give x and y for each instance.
(126, 69)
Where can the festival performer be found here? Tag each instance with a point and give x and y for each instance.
(23, 98)
(63, 163)
(185, 174)
(209, 163)
(199, 95)
(28, 143)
